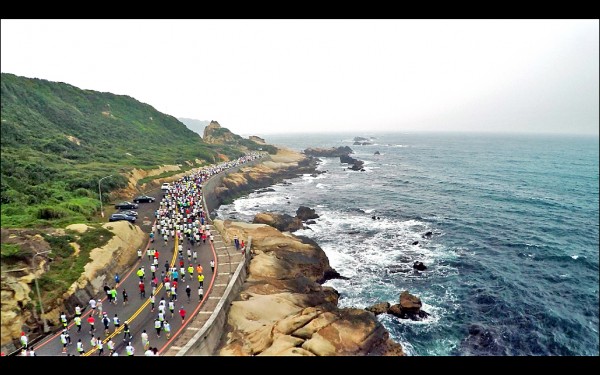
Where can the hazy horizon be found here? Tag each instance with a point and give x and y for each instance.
(295, 76)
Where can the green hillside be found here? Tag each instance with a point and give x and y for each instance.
(58, 140)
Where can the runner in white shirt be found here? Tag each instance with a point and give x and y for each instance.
(167, 328)
(111, 347)
(145, 340)
(130, 350)
(93, 304)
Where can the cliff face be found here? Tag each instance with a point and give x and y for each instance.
(116, 256)
(215, 134)
(283, 310)
(257, 139)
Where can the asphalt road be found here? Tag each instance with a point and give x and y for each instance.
(138, 310)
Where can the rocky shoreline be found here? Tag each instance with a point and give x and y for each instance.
(283, 308)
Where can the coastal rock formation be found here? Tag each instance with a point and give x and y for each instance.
(379, 308)
(357, 165)
(306, 213)
(282, 222)
(284, 164)
(285, 222)
(257, 139)
(408, 308)
(116, 256)
(284, 310)
(215, 134)
(332, 152)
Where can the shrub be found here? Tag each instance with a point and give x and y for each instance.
(49, 213)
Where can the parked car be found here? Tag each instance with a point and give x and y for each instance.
(165, 186)
(126, 205)
(144, 199)
(129, 212)
(121, 216)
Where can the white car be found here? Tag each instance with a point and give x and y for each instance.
(165, 186)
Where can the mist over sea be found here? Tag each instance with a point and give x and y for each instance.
(513, 259)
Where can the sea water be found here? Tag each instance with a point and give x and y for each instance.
(512, 260)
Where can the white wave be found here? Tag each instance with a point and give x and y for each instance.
(575, 257)
(321, 186)
(378, 243)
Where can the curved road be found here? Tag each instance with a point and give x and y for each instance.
(138, 310)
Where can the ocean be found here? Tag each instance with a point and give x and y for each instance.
(512, 261)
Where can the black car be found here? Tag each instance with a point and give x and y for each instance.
(126, 205)
(129, 213)
(144, 199)
(121, 216)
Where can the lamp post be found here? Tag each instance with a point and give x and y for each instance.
(100, 194)
(37, 288)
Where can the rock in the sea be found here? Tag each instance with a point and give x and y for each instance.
(282, 222)
(397, 311)
(379, 308)
(328, 152)
(408, 308)
(377, 153)
(419, 266)
(409, 302)
(428, 234)
(305, 213)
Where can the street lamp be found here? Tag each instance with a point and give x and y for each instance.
(37, 288)
(100, 193)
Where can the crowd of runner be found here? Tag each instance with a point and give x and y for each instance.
(182, 215)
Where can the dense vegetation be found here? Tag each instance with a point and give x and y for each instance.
(57, 141)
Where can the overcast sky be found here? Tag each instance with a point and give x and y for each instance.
(270, 76)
